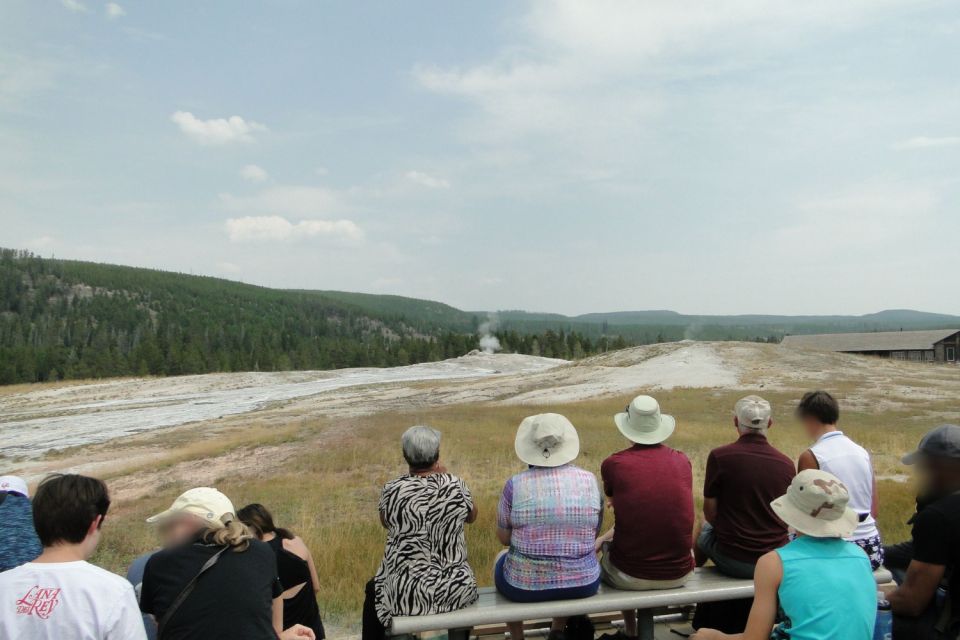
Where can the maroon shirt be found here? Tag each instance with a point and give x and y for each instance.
(745, 477)
(651, 488)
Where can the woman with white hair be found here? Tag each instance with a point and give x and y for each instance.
(549, 516)
(214, 579)
(424, 568)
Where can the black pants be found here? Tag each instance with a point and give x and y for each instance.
(373, 629)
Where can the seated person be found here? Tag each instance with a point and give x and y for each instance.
(835, 453)
(59, 595)
(18, 539)
(424, 568)
(927, 603)
(818, 587)
(651, 488)
(549, 515)
(741, 481)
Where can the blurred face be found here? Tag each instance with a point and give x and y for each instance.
(179, 529)
(936, 477)
(812, 426)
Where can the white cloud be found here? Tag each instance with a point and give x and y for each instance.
(216, 130)
(277, 228)
(74, 5)
(924, 142)
(254, 173)
(114, 10)
(287, 200)
(322, 171)
(427, 180)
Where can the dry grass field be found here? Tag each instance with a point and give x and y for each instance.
(318, 462)
(328, 494)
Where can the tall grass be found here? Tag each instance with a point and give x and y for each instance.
(328, 494)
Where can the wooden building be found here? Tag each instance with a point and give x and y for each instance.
(942, 345)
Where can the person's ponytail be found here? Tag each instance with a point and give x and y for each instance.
(234, 534)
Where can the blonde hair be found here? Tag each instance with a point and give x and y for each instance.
(233, 534)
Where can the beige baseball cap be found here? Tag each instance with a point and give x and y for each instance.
(816, 505)
(753, 412)
(206, 503)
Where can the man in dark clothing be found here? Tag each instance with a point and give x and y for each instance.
(742, 480)
(926, 605)
(19, 543)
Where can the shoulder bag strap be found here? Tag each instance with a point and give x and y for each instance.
(187, 590)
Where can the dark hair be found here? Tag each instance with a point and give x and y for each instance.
(819, 405)
(65, 505)
(259, 519)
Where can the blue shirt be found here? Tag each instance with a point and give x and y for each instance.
(828, 591)
(135, 576)
(19, 543)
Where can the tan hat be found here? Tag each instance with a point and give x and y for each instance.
(643, 423)
(816, 505)
(206, 503)
(753, 412)
(547, 440)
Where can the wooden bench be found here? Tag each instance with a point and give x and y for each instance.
(707, 585)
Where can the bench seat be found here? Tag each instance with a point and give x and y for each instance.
(706, 585)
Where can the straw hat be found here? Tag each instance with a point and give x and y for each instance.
(816, 505)
(206, 503)
(643, 423)
(547, 440)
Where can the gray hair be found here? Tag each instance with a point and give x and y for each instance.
(421, 446)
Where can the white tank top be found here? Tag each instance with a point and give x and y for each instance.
(844, 458)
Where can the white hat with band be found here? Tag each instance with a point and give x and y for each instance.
(643, 423)
(547, 440)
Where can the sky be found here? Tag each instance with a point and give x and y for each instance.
(743, 156)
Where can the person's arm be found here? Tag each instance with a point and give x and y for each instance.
(711, 489)
(474, 513)
(807, 461)
(300, 548)
(471, 504)
(763, 614)
(875, 501)
(607, 537)
(278, 616)
(504, 527)
(918, 589)
(298, 632)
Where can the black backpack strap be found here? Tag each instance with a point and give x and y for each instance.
(187, 590)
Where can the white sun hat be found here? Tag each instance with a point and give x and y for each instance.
(206, 503)
(643, 423)
(14, 484)
(816, 505)
(547, 440)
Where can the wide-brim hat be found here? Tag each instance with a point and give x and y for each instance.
(816, 505)
(643, 423)
(547, 440)
(206, 503)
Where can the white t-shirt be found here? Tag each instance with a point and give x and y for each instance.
(67, 601)
(844, 458)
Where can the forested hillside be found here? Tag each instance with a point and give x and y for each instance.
(65, 319)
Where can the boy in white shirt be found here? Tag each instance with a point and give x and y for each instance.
(60, 596)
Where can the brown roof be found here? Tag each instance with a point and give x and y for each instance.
(877, 341)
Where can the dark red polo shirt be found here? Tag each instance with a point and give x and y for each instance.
(745, 477)
(651, 488)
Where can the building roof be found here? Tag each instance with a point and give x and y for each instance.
(877, 341)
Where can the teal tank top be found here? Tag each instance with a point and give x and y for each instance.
(828, 591)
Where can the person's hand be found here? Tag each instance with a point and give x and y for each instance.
(707, 634)
(298, 632)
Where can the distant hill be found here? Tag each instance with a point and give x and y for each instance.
(63, 319)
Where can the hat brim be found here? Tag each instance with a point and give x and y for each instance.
(668, 424)
(806, 524)
(162, 516)
(912, 458)
(530, 454)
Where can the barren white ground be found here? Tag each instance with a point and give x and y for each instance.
(36, 420)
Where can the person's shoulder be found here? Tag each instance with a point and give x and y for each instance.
(941, 511)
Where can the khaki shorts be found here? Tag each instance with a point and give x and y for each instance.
(619, 580)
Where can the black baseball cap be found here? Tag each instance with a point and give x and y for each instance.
(941, 442)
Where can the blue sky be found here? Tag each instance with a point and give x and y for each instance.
(743, 156)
